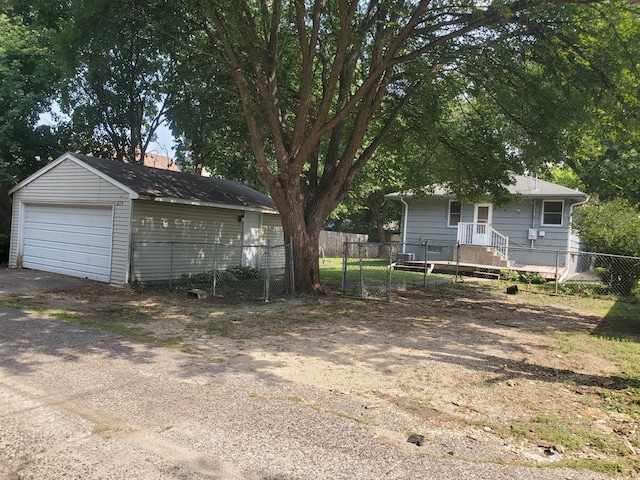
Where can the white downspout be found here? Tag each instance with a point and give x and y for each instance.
(571, 205)
(566, 262)
(405, 216)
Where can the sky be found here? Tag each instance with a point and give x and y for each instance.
(164, 144)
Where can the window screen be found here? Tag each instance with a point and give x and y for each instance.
(455, 213)
(552, 213)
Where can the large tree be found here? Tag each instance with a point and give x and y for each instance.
(119, 79)
(28, 81)
(321, 85)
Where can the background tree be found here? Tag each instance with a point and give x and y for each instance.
(119, 79)
(28, 81)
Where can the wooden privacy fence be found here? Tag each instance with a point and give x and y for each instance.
(332, 243)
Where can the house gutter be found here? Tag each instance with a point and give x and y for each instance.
(225, 206)
(405, 216)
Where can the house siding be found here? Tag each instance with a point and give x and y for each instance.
(70, 184)
(272, 230)
(273, 234)
(171, 240)
(427, 221)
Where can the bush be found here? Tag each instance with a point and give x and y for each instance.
(509, 276)
(613, 228)
(532, 278)
(236, 274)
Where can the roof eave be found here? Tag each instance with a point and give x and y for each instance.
(182, 201)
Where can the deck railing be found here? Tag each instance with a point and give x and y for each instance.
(483, 234)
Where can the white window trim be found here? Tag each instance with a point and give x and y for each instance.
(561, 224)
(449, 214)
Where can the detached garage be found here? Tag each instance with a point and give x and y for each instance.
(78, 216)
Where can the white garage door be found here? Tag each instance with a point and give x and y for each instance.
(70, 240)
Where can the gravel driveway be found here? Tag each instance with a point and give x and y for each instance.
(76, 402)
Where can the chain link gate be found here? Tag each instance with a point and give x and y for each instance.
(375, 270)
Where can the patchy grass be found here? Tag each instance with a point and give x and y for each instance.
(129, 322)
(572, 362)
(31, 305)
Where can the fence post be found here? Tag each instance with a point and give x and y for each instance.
(132, 256)
(171, 267)
(426, 265)
(291, 267)
(267, 275)
(343, 280)
(389, 268)
(215, 269)
(557, 266)
(361, 271)
(458, 261)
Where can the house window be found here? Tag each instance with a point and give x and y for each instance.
(455, 213)
(552, 213)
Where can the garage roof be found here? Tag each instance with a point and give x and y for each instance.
(167, 185)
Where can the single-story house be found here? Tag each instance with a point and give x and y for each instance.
(539, 218)
(98, 218)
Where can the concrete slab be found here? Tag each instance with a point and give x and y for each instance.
(20, 280)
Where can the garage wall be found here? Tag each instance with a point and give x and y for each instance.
(272, 229)
(70, 184)
(198, 229)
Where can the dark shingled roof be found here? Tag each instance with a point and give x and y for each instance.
(156, 183)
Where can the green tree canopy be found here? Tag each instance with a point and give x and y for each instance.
(611, 227)
(28, 81)
(477, 89)
(119, 76)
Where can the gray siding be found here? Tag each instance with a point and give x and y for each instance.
(428, 219)
(428, 222)
(71, 184)
(272, 230)
(273, 235)
(196, 234)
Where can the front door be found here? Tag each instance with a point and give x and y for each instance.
(481, 223)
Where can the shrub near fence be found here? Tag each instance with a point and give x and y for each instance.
(231, 271)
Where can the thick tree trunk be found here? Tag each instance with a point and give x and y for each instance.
(305, 243)
(301, 228)
(306, 264)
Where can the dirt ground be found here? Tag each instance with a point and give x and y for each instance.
(478, 374)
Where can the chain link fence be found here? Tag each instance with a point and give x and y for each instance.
(373, 270)
(235, 272)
